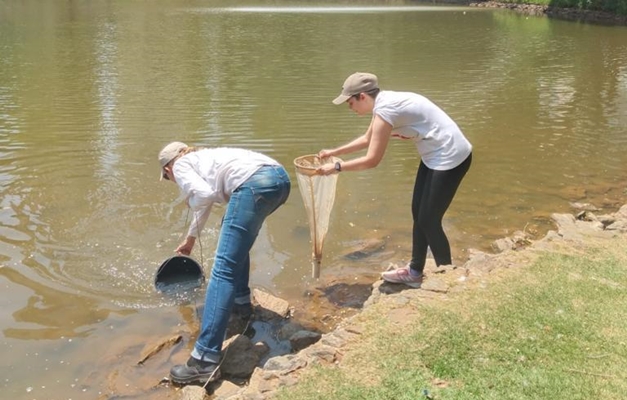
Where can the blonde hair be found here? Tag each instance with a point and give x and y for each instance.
(184, 151)
(188, 150)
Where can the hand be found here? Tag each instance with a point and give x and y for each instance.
(326, 169)
(325, 153)
(186, 247)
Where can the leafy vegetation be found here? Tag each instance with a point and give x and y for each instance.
(613, 6)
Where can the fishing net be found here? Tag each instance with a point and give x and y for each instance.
(318, 193)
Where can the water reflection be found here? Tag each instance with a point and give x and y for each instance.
(53, 314)
(107, 89)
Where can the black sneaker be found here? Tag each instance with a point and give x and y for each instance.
(244, 311)
(195, 371)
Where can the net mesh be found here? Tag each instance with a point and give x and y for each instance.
(318, 193)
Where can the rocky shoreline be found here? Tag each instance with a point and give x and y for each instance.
(570, 14)
(310, 348)
(274, 348)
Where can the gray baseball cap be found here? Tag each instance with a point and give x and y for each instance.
(358, 82)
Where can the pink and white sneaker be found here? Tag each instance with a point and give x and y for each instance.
(403, 275)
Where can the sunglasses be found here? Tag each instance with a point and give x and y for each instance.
(165, 175)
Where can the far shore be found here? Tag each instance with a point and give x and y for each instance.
(571, 14)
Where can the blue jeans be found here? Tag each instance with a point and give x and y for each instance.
(248, 207)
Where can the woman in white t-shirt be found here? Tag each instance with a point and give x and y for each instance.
(445, 154)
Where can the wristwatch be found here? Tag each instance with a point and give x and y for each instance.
(338, 166)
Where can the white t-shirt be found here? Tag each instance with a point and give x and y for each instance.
(440, 142)
(209, 176)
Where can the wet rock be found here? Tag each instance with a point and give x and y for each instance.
(154, 349)
(288, 330)
(573, 192)
(503, 244)
(261, 349)
(606, 220)
(586, 216)
(517, 241)
(270, 307)
(240, 359)
(192, 393)
(303, 339)
(384, 287)
(584, 206)
(572, 229)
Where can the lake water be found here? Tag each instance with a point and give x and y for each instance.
(91, 90)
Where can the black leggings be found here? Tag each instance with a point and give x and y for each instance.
(433, 193)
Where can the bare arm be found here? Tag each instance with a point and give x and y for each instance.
(359, 143)
(376, 139)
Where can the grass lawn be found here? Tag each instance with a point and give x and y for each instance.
(556, 329)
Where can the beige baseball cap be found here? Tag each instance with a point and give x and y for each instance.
(168, 153)
(357, 83)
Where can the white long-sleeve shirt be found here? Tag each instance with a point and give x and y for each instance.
(209, 176)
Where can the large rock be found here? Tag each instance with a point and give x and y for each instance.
(284, 365)
(303, 339)
(517, 241)
(570, 228)
(270, 307)
(240, 357)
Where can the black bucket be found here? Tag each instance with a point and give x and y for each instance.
(179, 273)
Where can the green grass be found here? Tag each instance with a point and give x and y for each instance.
(556, 329)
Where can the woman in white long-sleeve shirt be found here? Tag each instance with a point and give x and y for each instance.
(445, 155)
(253, 186)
